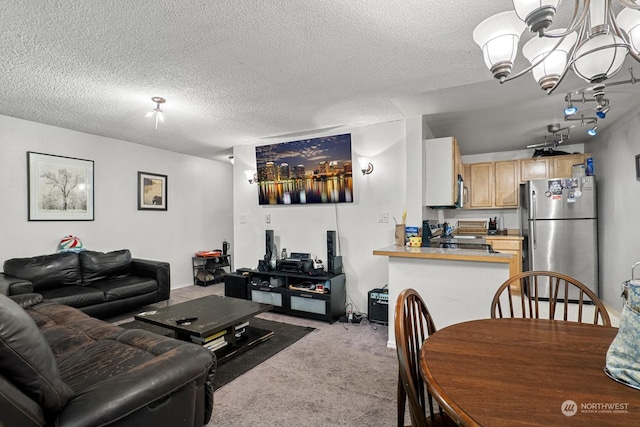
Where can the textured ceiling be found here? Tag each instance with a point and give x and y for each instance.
(251, 71)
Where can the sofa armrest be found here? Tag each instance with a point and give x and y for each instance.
(10, 285)
(158, 270)
(27, 300)
(17, 409)
(147, 385)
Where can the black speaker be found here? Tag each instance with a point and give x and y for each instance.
(426, 233)
(334, 263)
(379, 306)
(235, 285)
(269, 241)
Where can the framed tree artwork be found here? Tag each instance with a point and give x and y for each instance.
(152, 192)
(60, 188)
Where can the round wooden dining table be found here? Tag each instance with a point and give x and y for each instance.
(533, 372)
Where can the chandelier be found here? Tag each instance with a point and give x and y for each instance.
(594, 44)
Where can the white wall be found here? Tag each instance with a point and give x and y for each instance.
(304, 228)
(199, 199)
(618, 204)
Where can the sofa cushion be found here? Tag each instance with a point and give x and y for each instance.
(27, 360)
(99, 265)
(75, 296)
(46, 271)
(125, 287)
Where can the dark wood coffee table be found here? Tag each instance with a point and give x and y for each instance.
(221, 321)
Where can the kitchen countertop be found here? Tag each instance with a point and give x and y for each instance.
(495, 236)
(443, 253)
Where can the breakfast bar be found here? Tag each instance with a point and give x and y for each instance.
(456, 284)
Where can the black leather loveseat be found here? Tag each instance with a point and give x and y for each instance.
(61, 367)
(100, 284)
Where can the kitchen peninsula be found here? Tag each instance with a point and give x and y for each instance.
(456, 284)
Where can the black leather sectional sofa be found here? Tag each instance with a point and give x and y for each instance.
(61, 367)
(99, 284)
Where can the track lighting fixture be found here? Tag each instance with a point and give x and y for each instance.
(570, 110)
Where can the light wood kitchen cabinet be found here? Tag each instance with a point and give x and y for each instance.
(537, 168)
(507, 184)
(481, 185)
(563, 165)
(492, 184)
(550, 167)
(505, 245)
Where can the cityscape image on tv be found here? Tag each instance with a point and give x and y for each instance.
(316, 170)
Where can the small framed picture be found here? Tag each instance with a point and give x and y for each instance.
(60, 188)
(152, 192)
(638, 167)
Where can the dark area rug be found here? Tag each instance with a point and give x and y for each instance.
(284, 335)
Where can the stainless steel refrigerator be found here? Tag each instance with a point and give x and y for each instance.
(559, 222)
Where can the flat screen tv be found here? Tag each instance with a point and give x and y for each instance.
(316, 170)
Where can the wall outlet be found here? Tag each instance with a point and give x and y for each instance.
(383, 217)
(243, 219)
(267, 218)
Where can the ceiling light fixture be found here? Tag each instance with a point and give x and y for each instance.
(157, 112)
(602, 113)
(594, 44)
(570, 110)
(584, 121)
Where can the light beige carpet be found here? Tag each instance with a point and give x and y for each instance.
(337, 375)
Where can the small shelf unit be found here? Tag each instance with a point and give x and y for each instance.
(210, 270)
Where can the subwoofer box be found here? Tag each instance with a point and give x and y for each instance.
(235, 285)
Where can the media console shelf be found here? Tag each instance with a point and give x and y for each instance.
(273, 287)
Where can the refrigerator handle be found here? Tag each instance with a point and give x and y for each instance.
(533, 216)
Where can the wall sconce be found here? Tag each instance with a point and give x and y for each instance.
(231, 159)
(365, 166)
(251, 176)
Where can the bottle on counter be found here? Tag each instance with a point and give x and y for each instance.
(283, 255)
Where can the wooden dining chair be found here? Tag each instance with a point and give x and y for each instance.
(413, 324)
(548, 295)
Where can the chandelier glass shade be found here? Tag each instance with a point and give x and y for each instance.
(550, 55)
(629, 21)
(600, 57)
(498, 36)
(536, 14)
(594, 45)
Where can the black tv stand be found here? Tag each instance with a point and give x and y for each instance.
(288, 294)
